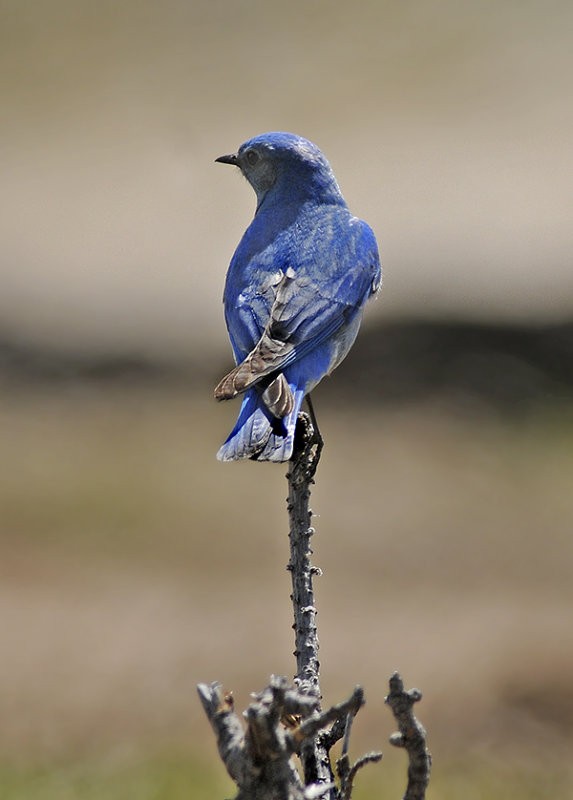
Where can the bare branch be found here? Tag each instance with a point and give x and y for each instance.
(411, 736)
(334, 734)
(300, 477)
(228, 729)
(347, 773)
(284, 720)
(314, 755)
(313, 725)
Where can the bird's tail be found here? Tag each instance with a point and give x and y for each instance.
(258, 434)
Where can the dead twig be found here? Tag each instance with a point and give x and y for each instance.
(411, 736)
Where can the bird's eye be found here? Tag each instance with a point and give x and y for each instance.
(252, 158)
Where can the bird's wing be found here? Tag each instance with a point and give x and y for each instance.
(247, 313)
(303, 315)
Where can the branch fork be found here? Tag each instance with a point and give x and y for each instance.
(259, 757)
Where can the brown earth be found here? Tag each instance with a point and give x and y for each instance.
(134, 565)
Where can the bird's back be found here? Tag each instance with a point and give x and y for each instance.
(322, 244)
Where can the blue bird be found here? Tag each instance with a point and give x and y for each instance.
(295, 291)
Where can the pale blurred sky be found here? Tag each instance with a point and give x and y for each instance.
(449, 126)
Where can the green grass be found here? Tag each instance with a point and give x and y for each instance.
(152, 779)
(178, 779)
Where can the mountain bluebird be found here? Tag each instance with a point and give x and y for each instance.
(295, 291)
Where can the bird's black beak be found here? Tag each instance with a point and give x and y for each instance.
(230, 159)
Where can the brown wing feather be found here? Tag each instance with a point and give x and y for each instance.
(266, 357)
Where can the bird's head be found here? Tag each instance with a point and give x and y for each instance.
(284, 161)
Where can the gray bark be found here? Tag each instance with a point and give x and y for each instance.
(314, 753)
(411, 736)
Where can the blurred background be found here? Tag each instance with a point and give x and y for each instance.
(133, 564)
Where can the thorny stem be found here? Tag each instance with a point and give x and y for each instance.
(302, 467)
